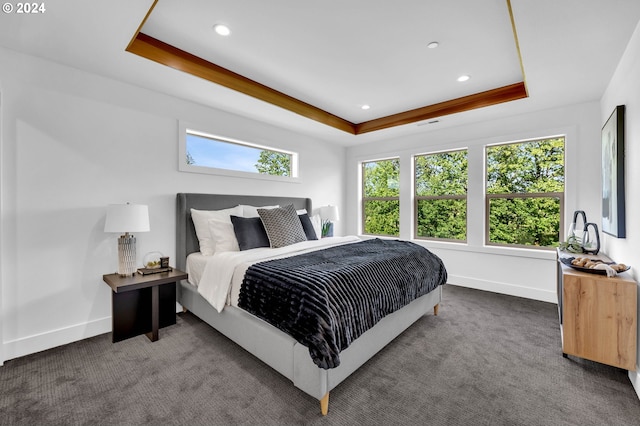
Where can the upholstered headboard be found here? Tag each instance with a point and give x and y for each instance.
(186, 239)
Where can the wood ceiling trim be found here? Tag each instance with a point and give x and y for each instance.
(163, 53)
(508, 93)
(158, 51)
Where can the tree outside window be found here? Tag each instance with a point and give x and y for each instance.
(441, 196)
(381, 197)
(525, 193)
(209, 151)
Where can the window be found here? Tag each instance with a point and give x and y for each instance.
(205, 153)
(525, 193)
(441, 196)
(381, 197)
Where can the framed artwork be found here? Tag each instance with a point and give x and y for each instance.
(613, 218)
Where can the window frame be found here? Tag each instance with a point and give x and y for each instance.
(364, 199)
(524, 195)
(417, 198)
(185, 129)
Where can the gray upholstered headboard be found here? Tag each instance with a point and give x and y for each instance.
(186, 239)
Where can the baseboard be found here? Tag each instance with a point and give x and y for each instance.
(634, 376)
(51, 339)
(504, 288)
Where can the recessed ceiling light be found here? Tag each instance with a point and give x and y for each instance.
(463, 78)
(365, 107)
(433, 45)
(222, 29)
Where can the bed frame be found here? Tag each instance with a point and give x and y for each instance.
(272, 346)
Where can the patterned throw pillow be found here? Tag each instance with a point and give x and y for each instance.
(282, 225)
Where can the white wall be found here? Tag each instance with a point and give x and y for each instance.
(73, 142)
(624, 89)
(519, 272)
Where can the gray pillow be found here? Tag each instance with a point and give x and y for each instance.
(307, 226)
(249, 232)
(282, 225)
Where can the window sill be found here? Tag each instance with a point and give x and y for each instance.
(500, 251)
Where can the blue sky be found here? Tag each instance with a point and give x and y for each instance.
(224, 155)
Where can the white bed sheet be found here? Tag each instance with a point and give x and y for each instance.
(219, 277)
(196, 262)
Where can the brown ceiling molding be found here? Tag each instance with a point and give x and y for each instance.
(151, 48)
(163, 53)
(466, 103)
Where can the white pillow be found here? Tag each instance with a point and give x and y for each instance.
(316, 221)
(223, 235)
(252, 211)
(200, 221)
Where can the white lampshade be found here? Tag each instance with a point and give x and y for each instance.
(330, 213)
(127, 218)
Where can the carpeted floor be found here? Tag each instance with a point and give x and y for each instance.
(486, 359)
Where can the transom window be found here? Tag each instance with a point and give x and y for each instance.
(440, 182)
(381, 197)
(525, 193)
(206, 153)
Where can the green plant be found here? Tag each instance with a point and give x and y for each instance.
(573, 245)
(326, 226)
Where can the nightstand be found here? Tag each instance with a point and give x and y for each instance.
(598, 316)
(142, 304)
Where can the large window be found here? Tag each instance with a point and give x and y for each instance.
(205, 153)
(525, 193)
(381, 197)
(441, 196)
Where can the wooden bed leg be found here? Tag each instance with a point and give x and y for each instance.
(435, 309)
(324, 404)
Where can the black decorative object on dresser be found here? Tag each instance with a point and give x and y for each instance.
(142, 304)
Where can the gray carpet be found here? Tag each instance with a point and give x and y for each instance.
(486, 359)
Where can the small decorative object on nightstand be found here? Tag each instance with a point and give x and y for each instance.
(329, 214)
(142, 304)
(152, 260)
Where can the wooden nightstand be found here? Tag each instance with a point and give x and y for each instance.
(598, 316)
(142, 304)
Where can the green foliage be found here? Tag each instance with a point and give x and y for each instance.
(436, 175)
(535, 167)
(381, 179)
(382, 217)
(573, 245)
(444, 218)
(274, 163)
(528, 167)
(441, 174)
(533, 170)
(524, 221)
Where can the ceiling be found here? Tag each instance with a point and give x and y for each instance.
(332, 57)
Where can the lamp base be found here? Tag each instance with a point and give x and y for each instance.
(126, 255)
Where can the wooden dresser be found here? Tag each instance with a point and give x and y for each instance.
(598, 316)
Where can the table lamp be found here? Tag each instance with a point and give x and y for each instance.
(127, 218)
(329, 214)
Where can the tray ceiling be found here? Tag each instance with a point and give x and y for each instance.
(325, 60)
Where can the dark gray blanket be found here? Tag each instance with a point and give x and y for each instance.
(327, 298)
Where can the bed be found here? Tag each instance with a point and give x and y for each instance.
(271, 345)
